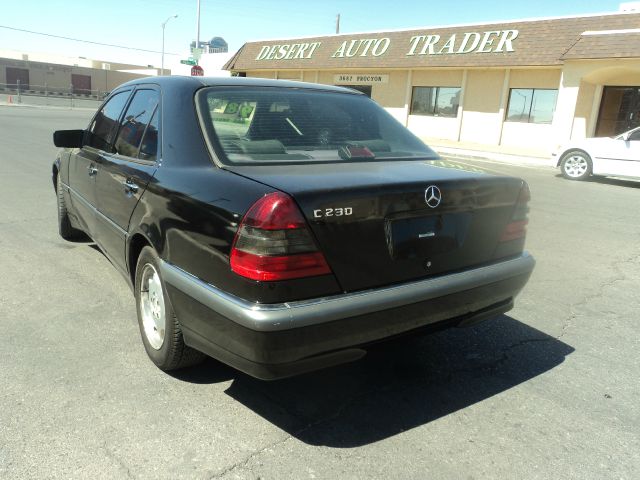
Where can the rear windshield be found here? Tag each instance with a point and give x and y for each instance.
(281, 125)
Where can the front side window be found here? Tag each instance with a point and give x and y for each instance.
(531, 105)
(135, 122)
(272, 124)
(104, 125)
(435, 101)
(635, 135)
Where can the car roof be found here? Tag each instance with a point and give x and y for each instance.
(198, 82)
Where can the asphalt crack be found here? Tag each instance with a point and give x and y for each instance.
(570, 320)
(117, 459)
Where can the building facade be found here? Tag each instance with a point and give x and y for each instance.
(47, 74)
(529, 83)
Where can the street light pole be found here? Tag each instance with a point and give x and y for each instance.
(163, 25)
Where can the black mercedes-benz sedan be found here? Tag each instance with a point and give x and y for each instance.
(282, 227)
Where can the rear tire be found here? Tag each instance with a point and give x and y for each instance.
(65, 229)
(576, 165)
(159, 328)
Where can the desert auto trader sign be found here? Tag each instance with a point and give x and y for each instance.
(491, 41)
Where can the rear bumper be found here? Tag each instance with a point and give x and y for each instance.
(272, 341)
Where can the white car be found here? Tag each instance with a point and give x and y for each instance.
(608, 156)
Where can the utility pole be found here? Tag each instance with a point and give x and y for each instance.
(337, 23)
(198, 26)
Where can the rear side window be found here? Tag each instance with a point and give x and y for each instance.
(104, 124)
(135, 122)
(149, 149)
(290, 125)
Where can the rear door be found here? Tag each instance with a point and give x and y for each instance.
(83, 163)
(126, 172)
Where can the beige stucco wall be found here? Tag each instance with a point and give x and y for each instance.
(485, 98)
(49, 77)
(446, 128)
(426, 126)
(530, 135)
(261, 74)
(481, 118)
(310, 76)
(437, 78)
(290, 75)
(586, 113)
(392, 95)
(535, 78)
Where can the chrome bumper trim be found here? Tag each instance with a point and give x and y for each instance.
(303, 313)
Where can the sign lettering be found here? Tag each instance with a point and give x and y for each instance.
(287, 51)
(362, 47)
(359, 78)
(492, 41)
(471, 42)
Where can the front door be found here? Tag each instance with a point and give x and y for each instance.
(126, 172)
(627, 154)
(83, 163)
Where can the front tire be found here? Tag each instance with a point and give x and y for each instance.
(576, 165)
(159, 327)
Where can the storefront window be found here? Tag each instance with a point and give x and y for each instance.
(531, 105)
(619, 111)
(436, 101)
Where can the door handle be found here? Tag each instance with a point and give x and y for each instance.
(130, 187)
(92, 170)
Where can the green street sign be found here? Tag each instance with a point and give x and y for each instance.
(191, 61)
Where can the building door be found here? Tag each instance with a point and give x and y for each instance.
(619, 111)
(366, 89)
(81, 84)
(18, 76)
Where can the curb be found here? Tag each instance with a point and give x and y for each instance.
(507, 158)
(51, 107)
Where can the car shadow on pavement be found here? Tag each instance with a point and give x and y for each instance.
(398, 386)
(615, 181)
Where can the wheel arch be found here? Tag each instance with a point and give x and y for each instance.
(575, 149)
(136, 243)
(55, 171)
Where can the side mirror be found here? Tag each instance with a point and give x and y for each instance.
(68, 138)
(626, 136)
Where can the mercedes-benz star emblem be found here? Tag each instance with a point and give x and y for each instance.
(432, 196)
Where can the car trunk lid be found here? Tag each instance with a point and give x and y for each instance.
(380, 223)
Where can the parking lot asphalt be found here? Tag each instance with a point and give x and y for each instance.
(550, 390)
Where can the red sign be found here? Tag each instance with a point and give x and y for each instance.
(197, 71)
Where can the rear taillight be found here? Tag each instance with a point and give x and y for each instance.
(274, 243)
(517, 227)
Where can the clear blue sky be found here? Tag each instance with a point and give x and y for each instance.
(136, 23)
